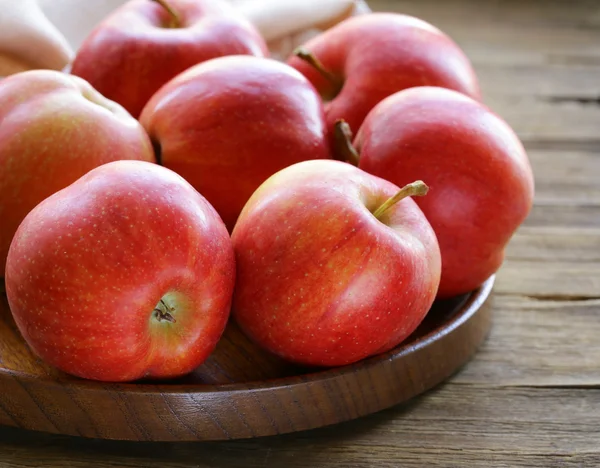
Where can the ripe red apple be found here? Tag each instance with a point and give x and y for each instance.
(145, 43)
(127, 273)
(330, 270)
(364, 59)
(228, 124)
(53, 129)
(480, 178)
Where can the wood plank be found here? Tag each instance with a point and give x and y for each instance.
(456, 425)
(539, 344)
(567, 190)
(517, 44)
(555, 244)
(541, 81)
(535, 120)
(566, 177)
(536, 78)
(513, 33)
(579, 15)
(566, 29)
(564, 215)
(567, 194)
(551, 279)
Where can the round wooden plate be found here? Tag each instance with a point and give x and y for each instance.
(240, 391)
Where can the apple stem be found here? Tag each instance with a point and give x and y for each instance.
(161, 315)
(417, 188)
(308, 57)
(343, 143)
(175, 21)
(164, 314)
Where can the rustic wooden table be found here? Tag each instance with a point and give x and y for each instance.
(531, 397)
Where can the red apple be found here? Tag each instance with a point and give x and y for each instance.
(480, 178)
(127, 273)
(329, 271)
(145, 43)
(228, 124)
(366, 58)
(53, 129)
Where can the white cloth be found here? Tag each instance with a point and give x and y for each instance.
(28, 39)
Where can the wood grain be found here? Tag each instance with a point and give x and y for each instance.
(555, 244)
(539, 343)
(531, 397)
(557, 279)
(527, 54)
(241, 392)
(444, 428)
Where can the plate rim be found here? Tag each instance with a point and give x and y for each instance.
(471, 305)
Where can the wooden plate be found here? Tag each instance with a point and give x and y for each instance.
(240, 391)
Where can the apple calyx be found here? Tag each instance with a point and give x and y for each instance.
(175, 20)
(309, 57)
(344, 150)
(414, 189)
(163, 312)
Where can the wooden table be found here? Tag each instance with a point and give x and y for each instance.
(531, 397)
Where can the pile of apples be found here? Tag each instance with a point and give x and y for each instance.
(177, 174)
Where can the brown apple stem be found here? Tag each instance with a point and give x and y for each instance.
(309, 58)
(343, 148)
(175, 21)
(162, 313)
(415, 189)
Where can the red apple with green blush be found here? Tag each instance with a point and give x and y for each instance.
(54, 128)
(333, 264)
(127, 273)
(364, 59)
(228, 124)
(480, 178)
(145, 43)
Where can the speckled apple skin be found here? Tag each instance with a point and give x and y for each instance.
(88, 266)
(133, 52)
(53, 129)
(379, 54)
(229, 124)
(481, 182)
(320, 280)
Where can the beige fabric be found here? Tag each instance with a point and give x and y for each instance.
(76, 18)
(286, 25)
(28, 40)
